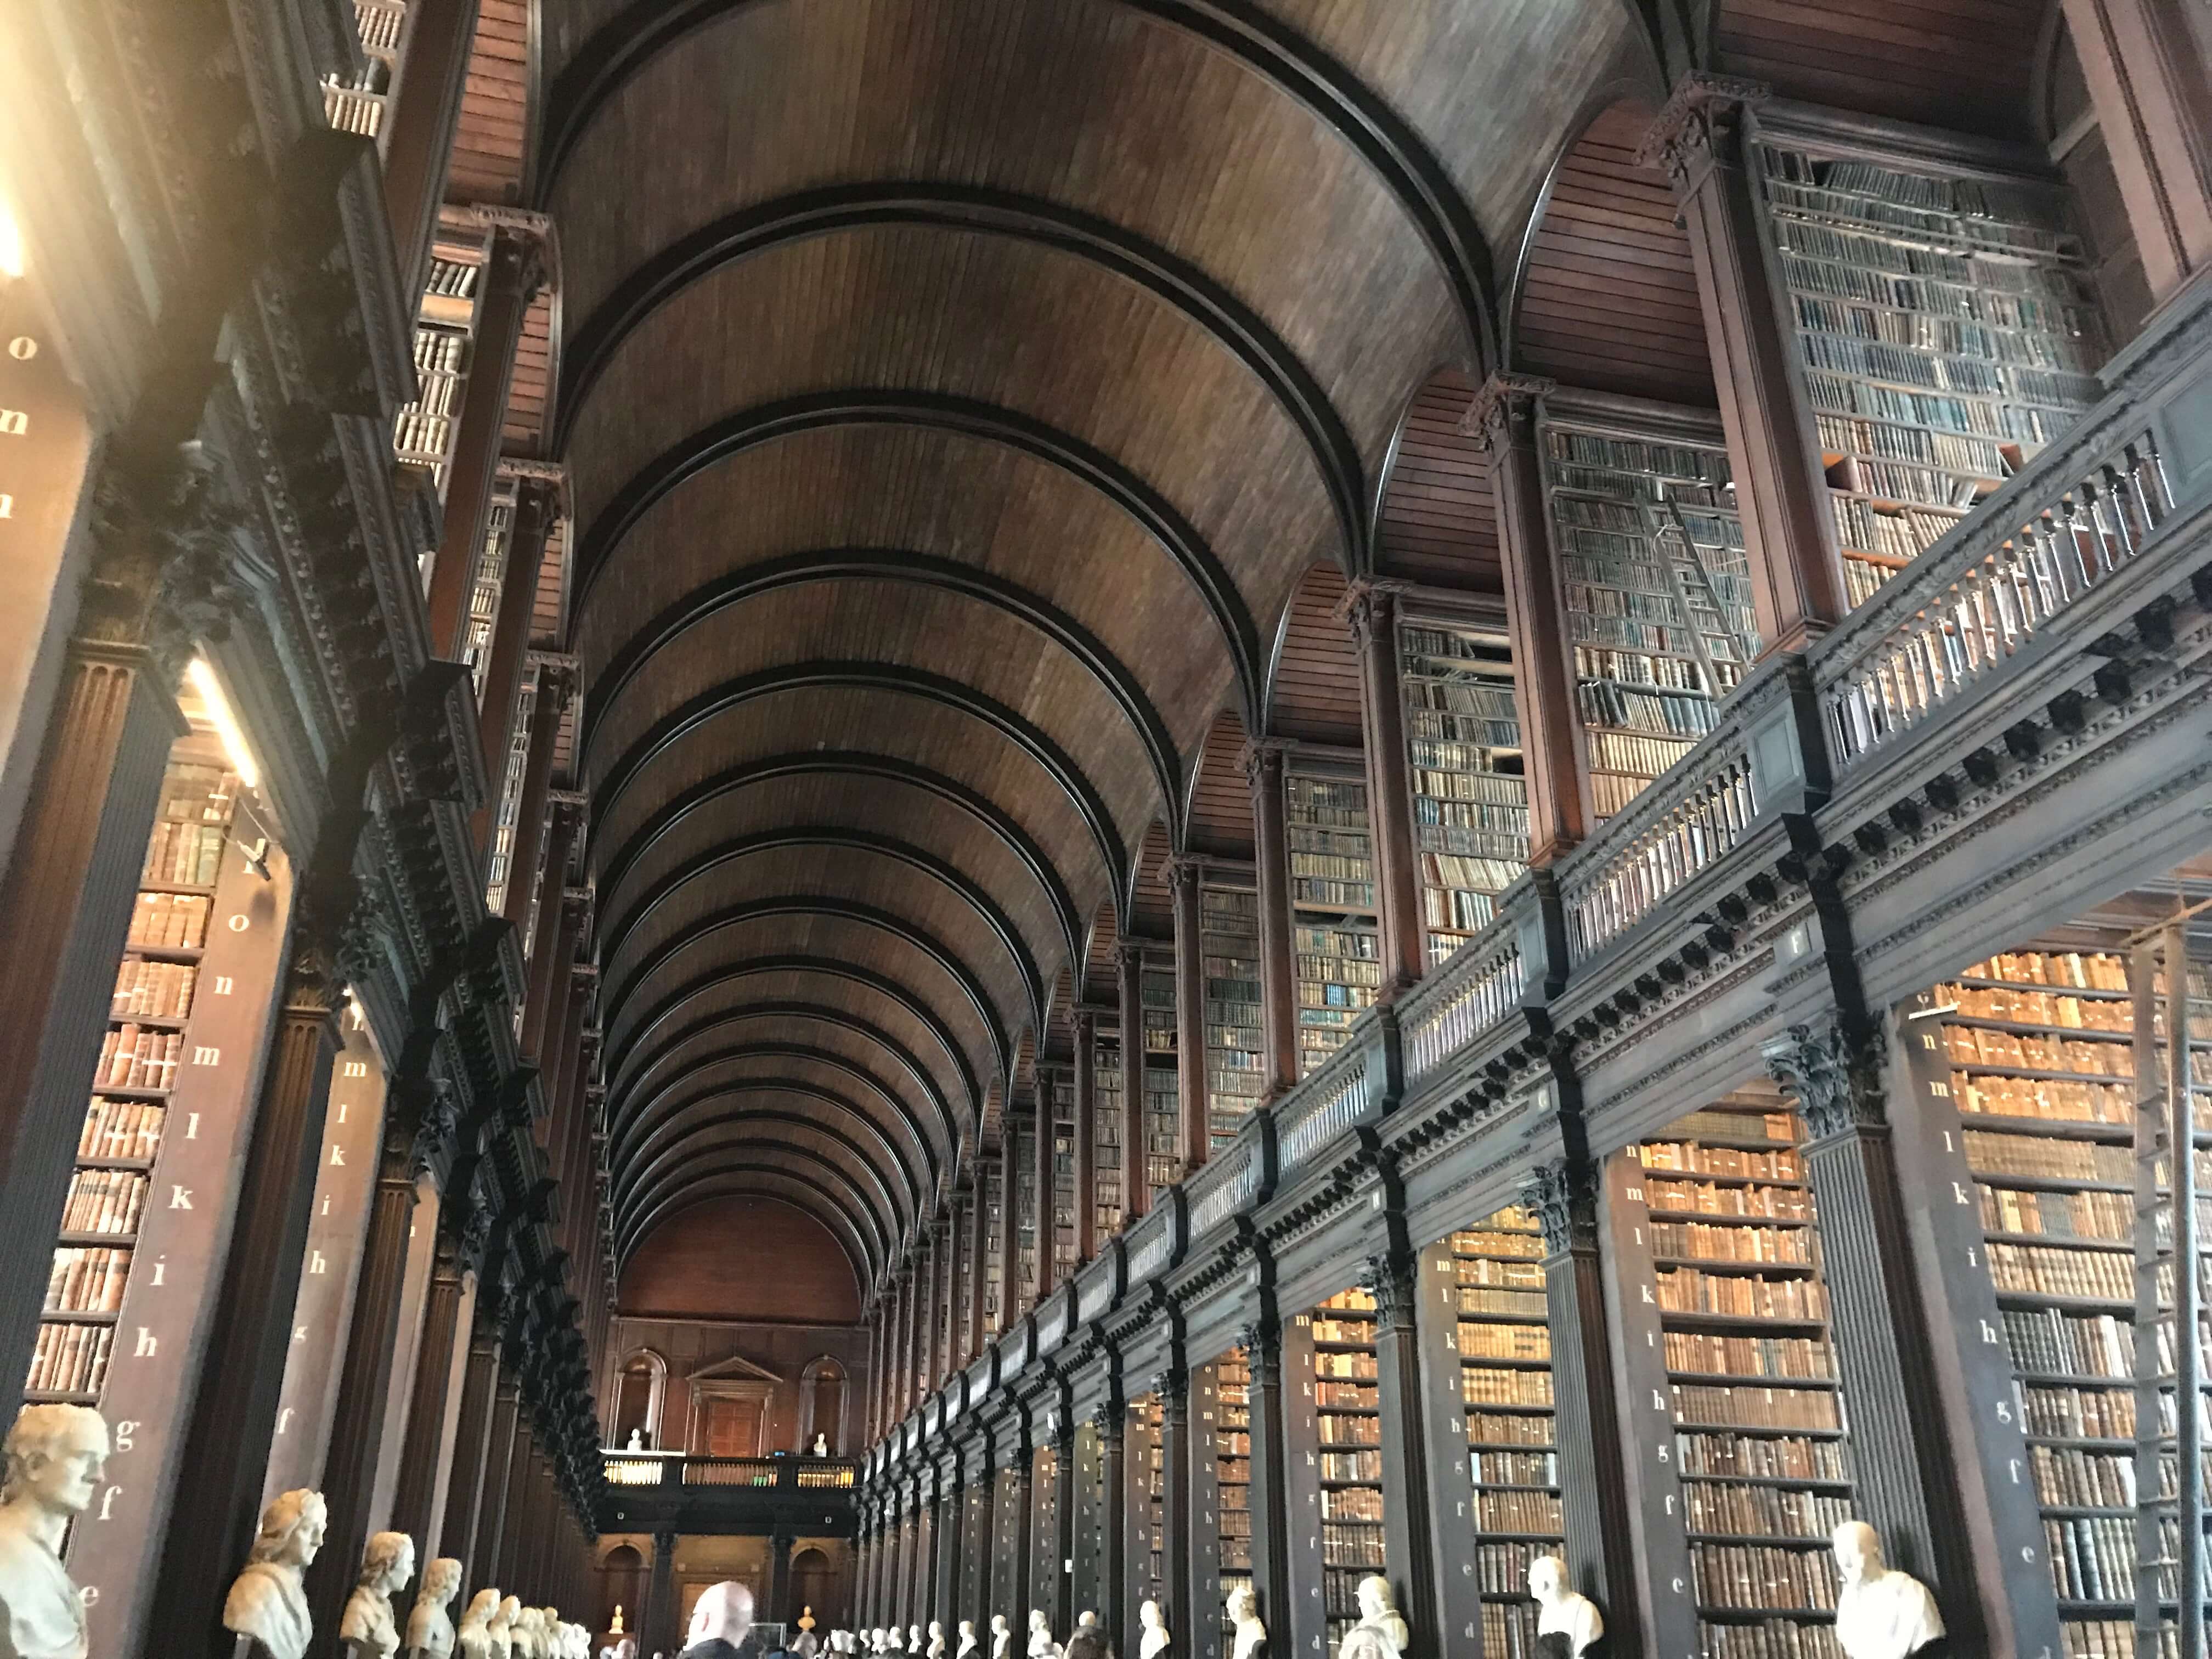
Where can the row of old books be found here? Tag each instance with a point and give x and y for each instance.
(86, 1278)
(104, 1201)
(186, 855)
(153, 990)
(1798, 1357)
(1759, 1575)
(169, 921)
(1980, 1045)
(1763, 1512)
(1760, 1457)
(70, 1359)
(1708, 1198)
(133, 1057)
(1752, 1296)
(2102, 1218)
(1698, 1241)
(2055, 1271)
(1536, 1513)
(1479, 1385)
(1489, 1339)
(121, 1129)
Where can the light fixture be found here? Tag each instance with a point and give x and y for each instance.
(12, 261)
(226, 724)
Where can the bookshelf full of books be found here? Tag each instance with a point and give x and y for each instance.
(499, 868)
(1505, 1382)
(1057, 1085)
(2038, 1050)
(1106, 1133)
(992, 1195)
(1721, 1204)
(1145, 1476)
(1338, 951)
(1025, 1221)
(1349, 1441)
(1655, 580)
(489, 578)
(1232, 1472)
(1163, 1099)
(1463, 753)
(1235, 1063)
(357, 105)
(121, 1136)
(424, 431)
(1947, 329)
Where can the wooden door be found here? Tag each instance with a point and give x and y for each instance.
(732, 1428)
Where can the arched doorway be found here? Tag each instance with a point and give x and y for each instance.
(822, 1406)
(814, 1584)
(638, 1390)
(623, 1583)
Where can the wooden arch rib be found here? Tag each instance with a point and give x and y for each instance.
(1003, 926)
(660, 1111)
(700, 799)
(869, 1255)
(1160, 519)
(867, 676)
(701, 1137)
(881, 1229)
(1240, 330)
(630, 659)
(623, 1051)
(1241, 29)
(628, 1122)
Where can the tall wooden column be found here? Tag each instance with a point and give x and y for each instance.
(1562, 1195)
(1016, 1502)
(71, 881)
(1372, 607)
(1086, 1136)
(495, 1509)
(536, 505)
(1047, 1188)
(1409, 1524)
(945, 1578)
(1797, 573)
(429, 1449)
(1111, 1423)
(1179, 1603)
(226, 1447)
(511, 281)
(2151, 84)
(1129, 988)
(779, 1610)
(460, 1524)
(979, 1220)
(661, 1609)
(1269, 1494)
(1058, 1594)
(418, 128)
(1908, 1468)
(1010, 1221)
(1271, 853)
(948, 1240)
(1184, 880)
(1503, 420)
(365, 1376)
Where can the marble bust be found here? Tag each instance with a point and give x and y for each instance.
(502, 1627)
(367, 1624)
(267, 1602)
(1881, 1614)
(806, 1644)
(429, 1627)
(1243, 1610)
(1561, 1611)
(474, 1638)
(1040, 1644)
(1001, 1636)
(55, 1456)
(914, 1639)
(967, 1639)
(893, 1642)
(1154, 1642)
(1381, 1632)
(936, 1648)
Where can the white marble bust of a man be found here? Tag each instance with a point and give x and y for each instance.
(1562, 1610)
(267, 1602)
(1381, 1632)
(1154, 1641)
(1881, 1614)
(1001, 1636)
(503, 1645)
(967, 1639)
(368, 1621)
(54, 1457)
(474, 1637)
(1244, 1611)
(429, 1626)
(936, 1648)
(1041, 1646)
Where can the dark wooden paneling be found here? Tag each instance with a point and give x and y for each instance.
(1152, 914)
(1967, 64)
(527, 397)
(1439, 523)
(1317, 685)
(741, 1258)
(1220, 800)
(1100, 986)
(1609, 298)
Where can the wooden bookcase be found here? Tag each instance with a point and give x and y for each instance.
(2027, 1067)
(500, 866)
(1506, 1384)
(1163, 1103)
(1464, 757)
(1338, 1350)
(1654, 580)
(1221, 1498)
(1337, 948)
(359, 106)
(1716, 1217)
(991, 1185)
(489, 578)
(1060, 1092)
(149, 1022)
(1145, 1473)
(1026, 1222)
(1948, 329)
(1236, 1062)
(1106, 1133)
(424, 431)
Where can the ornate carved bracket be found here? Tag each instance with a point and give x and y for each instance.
(1835, 1074)
(1505, 408)
(1703, 121)
(1562, 1195)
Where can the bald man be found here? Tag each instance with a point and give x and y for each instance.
(721, 1621)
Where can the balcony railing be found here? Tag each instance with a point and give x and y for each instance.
(682, 1469)
(1940, 635)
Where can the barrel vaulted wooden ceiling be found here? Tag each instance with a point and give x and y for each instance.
(974, 410)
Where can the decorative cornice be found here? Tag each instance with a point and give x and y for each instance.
(1562, 1195)
(1503, 400)
(1834, 1072)
(1701, 119)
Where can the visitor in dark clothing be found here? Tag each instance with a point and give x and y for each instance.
(721, 1622)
